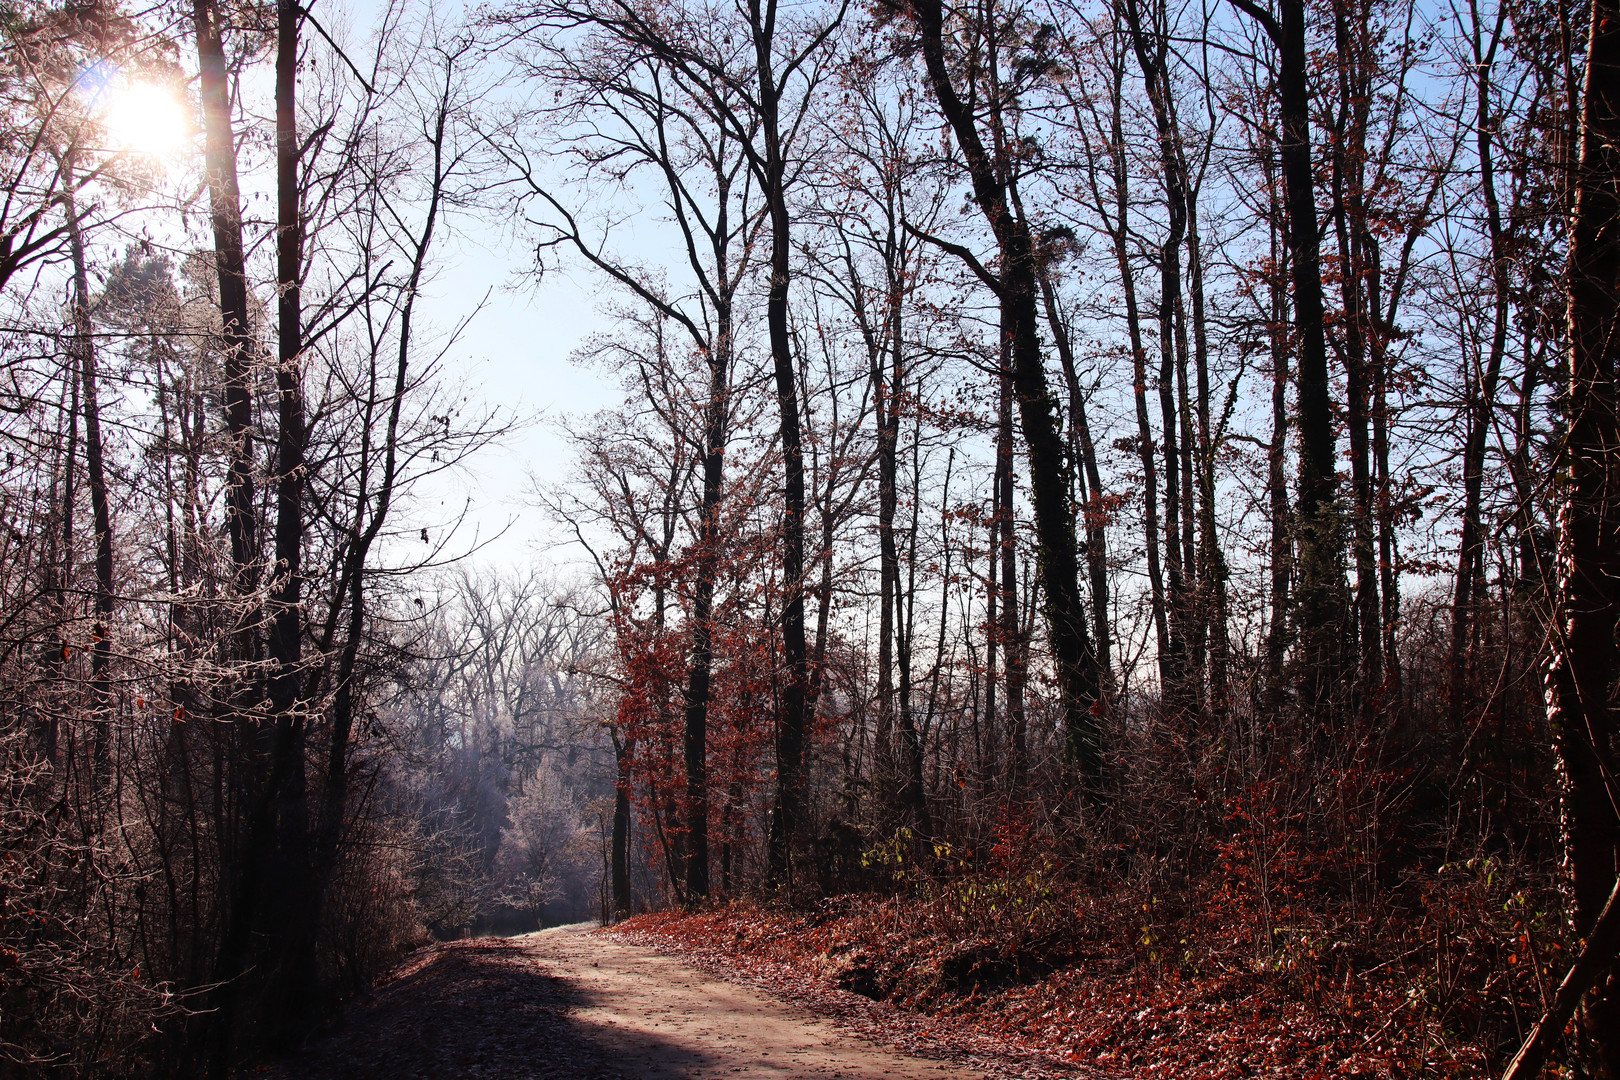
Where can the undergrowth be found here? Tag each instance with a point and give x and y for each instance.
(1213, 981)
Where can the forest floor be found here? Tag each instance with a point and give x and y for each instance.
(573, 1004)
(859, 994)
(1097, 1015)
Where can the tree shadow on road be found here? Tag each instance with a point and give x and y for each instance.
(480, 1010)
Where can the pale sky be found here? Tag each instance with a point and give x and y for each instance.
(513, 356)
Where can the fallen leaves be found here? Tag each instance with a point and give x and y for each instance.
(1093, 1015)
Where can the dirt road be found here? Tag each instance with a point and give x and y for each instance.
(565, 1004)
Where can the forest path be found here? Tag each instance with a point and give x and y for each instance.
(566, 1004)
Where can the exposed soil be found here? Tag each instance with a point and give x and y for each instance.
(569, 1004)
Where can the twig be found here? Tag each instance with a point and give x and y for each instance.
(1596, 955)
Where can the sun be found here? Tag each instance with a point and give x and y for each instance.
(144, 118)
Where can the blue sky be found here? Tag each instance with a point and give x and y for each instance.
(514, 355)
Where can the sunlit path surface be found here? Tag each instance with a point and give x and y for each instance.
(566, 1003)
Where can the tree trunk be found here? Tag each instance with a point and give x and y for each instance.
(988, 755)
(1319, 590)
(1151, 45)
(1003, 531)
(886, 408)
(905, 612)
(1212, 565)
(623, 754)
(286, 623)
(1350, 227)
(274, 857)
(1584, 657)
(695, 747)
(1481, 401)
(1384, 510)
(1282, 524)
(58, 555)
(787, 810)
(1531, 575)
(226, 216)
(1092, 504)
(96, 471)
(238, 891)
(1119, 235)
(1072, 654)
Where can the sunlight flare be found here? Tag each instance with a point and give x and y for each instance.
(145, 118)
